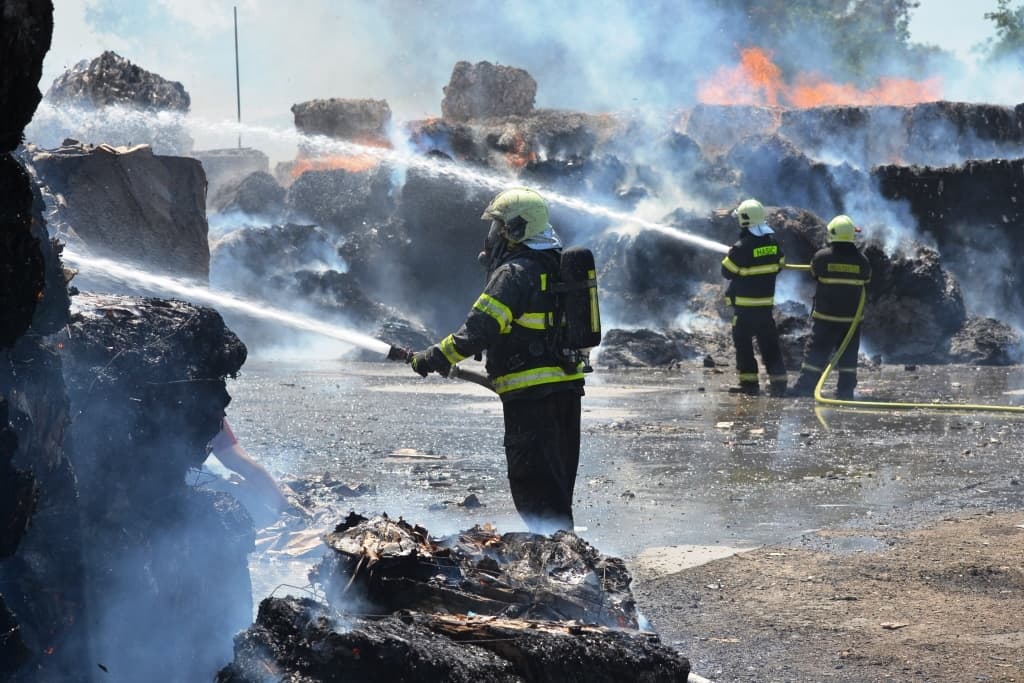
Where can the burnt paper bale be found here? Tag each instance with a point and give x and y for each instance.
(22, 268)
(146, 380)
(442, 222)
(558, 577)
(914, 305)
(18, 490)
(649, 278)
(40, 603)
(974, 212)
(339, 200)
(355, 120)
(446, 139)
(639, 348)
(863, 136)
(717, 128)
(227, 167)
(947, 133)
(250, 256)
(112, 79)
(986, 341)
(24, 39)
(13, 651)
(132, 204)
(300, 267)
(772, 168)
(301, 640)
(109, 100)
(257, 194)
(483, 90)
(52, 307)
(44, 581)
(956, 200)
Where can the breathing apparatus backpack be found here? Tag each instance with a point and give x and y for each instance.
(577, 320)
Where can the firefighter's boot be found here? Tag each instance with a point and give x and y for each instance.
(748, 388)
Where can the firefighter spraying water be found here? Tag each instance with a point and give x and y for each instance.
(530, 321)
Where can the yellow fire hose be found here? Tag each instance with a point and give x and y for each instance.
(887, 405)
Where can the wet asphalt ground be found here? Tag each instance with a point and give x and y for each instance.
(668, 457)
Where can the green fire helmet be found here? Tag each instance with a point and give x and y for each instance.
(749, 213)
(522, 210)
(841, 229)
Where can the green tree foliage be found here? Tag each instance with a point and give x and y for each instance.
(854, 40)
(1009, 40)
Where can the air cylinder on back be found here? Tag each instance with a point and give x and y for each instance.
(577, 294)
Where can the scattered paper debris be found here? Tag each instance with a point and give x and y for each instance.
(893, 625)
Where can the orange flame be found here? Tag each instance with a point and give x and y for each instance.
(756, 80)
(520, 154)
(353, 164)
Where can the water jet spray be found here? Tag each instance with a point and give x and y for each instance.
(257, 309)
(328, 146)
(203, 294)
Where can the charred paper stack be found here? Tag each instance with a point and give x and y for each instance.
(396, 566)
(476, 606)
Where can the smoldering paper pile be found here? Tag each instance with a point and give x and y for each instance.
(401, 605)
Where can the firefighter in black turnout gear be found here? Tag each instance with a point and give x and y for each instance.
(540, 387)
(751, 266)
(842, 272)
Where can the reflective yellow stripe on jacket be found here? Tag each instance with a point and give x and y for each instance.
(750, 301)
(767, 269)
(534, 377)
(497, 310)
(531, 321)
(447, 347)
(840, 281)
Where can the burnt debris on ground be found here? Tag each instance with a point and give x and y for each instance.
(477, 605)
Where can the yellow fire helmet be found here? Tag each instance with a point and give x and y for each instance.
(841, 229)
(749, 213)
(523, 211)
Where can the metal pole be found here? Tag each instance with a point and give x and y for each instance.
(238, 86)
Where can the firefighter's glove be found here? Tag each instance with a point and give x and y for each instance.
(430, 360)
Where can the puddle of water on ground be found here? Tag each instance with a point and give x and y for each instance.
(774, 473)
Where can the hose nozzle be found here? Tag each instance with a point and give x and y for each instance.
(398, 353)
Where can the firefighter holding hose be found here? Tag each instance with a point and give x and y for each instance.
(842, 273)
(751, 266)
(539, 380)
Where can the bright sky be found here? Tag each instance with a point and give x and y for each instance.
(955, 25)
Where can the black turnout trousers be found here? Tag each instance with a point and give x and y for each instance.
(542, 449)
(826, 336)
(758, 323)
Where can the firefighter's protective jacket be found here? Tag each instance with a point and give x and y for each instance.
(511, 320)
(842, 273)
(751, 266)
